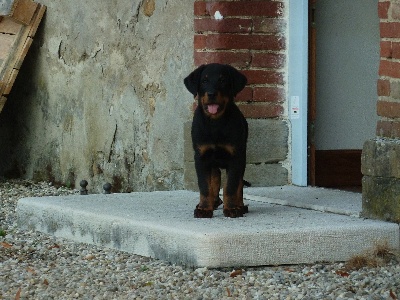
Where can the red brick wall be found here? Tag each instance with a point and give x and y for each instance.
(388, 106)
(250, 37)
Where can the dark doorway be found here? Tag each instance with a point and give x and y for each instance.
(343, 71)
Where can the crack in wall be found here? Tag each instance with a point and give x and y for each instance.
(111, 152)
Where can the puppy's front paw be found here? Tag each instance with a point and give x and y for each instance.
(202, 213)
(233, 212)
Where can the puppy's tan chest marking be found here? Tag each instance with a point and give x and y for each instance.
(230, 149)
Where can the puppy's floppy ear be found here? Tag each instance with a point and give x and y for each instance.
(239, 81)
(193, 80)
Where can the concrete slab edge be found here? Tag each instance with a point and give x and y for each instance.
(321, 208)
(212, 250)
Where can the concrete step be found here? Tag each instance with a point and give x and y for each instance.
(161, 225)
(320, 199)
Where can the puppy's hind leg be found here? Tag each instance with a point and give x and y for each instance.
(244, 208)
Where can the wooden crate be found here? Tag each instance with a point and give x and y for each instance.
(16, 35)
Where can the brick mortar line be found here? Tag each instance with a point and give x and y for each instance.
(386, 39)
(258, 85)
(387, 119)
(389, 59)
(389, 99)
(395, 80)
(259, 103)
(249, 17)
(382, 77)
(244, 51)
(240, 33)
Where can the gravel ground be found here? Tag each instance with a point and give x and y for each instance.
(38, 266)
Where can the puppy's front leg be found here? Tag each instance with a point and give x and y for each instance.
(233, 194)
(209, 180)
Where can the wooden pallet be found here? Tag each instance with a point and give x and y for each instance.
(16, 35)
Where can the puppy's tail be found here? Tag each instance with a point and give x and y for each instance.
(246, 183)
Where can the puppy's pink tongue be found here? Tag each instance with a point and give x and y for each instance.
(212, 108)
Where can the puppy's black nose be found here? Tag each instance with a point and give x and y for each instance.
(211, 95)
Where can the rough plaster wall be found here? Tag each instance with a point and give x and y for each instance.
(5, 7)
(100, 95)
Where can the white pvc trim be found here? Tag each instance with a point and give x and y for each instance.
(297, 84)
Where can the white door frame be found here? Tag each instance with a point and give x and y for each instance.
(297, 88)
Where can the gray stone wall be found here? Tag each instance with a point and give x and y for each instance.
(5, 7)
(100, 96)
(381, 181)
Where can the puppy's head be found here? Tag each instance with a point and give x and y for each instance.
(216, 86)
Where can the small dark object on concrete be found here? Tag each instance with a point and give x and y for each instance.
(83, 185)
(107, 188)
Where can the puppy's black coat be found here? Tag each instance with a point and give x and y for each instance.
(219, 137)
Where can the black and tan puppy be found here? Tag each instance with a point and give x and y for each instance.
(219, 137)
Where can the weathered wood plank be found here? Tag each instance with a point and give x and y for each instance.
(2, 87)
(2, 102)
(10, 82)
(36, 20)
(21, 55)
(16, 37)
(21, 47)
(6, 44)
(9, 26)
(24, 10)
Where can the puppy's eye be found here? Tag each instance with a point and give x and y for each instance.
(204, 81)
(221, 80)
